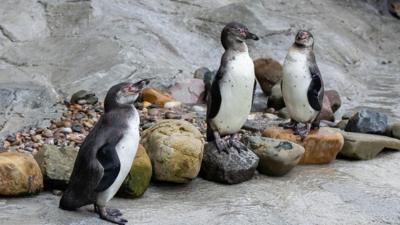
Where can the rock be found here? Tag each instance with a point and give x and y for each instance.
(369, 122)
(89, 98)
(172, 115)
(276, 99)
(334, 99)
(76, 127)
(268, 73)
(172, 104)
(189, 91)
(321, 146)
(228, 168)
(366, 146)
(326, 111)
(348, 115)
(146, 104)
(342, 124)
(66, 130)
(284, 113)
(201, 72)
(56, 165)
(394, 8)
(277, 157)
(19, 174)
(175, 148)
(155, 96)
(138, 179)
(199, 109)
(396, 130)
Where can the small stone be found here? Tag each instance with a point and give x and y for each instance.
(368, 122)
(82, 102)
(229, 168)
(146, 104)
(76, 127)
(6, 144)
(78, 116)
(366, 146)
(37, 138)
(153, 112)
(88, 123)
(11, 138)
(321, 145)
(172, 115)
(342, 124)
(138, 179)
(268, 73)
(19, 174)
(92, 99)
(199, 109)
(67, 124)
(88, 97)
(47, 133)
(76, 137)
(147, 125)
(277, 157)
(276, 99)
(334, 99)
(172, 104)
(201, 72)
(155, 96)
(57, 192)
(66, 130)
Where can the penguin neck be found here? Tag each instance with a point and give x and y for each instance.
(238, 48)
(113, 105)
(302, 48)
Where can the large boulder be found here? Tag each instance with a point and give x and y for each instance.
(321, 145)
(231, 167)
(19, 174)
(56, 165)
(366, 146)
(368, 122)
(277, 157)
(175, 148)
(268, 73)
(189, 91)
(138, 179)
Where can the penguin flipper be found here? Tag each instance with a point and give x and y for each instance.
(108, 158)
(214, 97)
(315, 93)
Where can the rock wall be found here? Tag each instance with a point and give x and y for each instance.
(52, 48)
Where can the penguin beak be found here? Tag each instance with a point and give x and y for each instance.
(140, 84)
(252, 36)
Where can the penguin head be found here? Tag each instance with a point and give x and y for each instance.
(304, 39)
(235, 34)
(125, 93)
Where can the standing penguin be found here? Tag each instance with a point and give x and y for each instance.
(106, 155)
(231, 94)
(302, 86)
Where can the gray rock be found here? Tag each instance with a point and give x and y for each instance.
(229, 168)
(342, 124)
(366, 146)
(56, 165)
(201, 72)
(369, 122)
(83, 97)
(277, 157)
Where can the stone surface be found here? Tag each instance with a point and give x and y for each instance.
(190, 91)
(368, 121)
(56, 165)
(19, 174)
(321, 146)
(277, 157)
(228, 168)
(155, 96)
(89, 97)
(366, 146)
(268, 73)
(396, 130)
(394, 8)
(175, 148)
(138, 179)
(326, 111)
(276, 99)
(200, 73)
(342, 124)
(334, 99)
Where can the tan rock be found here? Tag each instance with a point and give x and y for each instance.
(175, 148)
(155, 96)
(321, 146)
(19, 174)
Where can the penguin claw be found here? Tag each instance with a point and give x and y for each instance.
(221, 145)
(113, 212)
(236, 144)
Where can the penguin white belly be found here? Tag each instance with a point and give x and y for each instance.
(295, 82)
(126, 150)
(236, 88)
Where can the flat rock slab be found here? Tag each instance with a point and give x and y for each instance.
(229, 168)
(321, 146)
(366, 146)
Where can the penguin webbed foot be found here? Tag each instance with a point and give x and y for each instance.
(110, 215)
(236, 144)
(289, 125)
(302, 131)
(222, 145)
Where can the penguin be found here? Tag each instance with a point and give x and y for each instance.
(302, 85)
(107, 153)
(231, 94)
